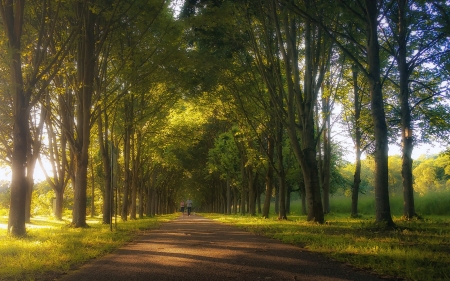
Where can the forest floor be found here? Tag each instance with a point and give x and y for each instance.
(196, 248)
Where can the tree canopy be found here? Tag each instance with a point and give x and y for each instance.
(226, 102)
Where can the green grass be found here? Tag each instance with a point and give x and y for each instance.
(435, 203)
(417, 250)
(52, 247)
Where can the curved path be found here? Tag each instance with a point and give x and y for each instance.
(195, 248)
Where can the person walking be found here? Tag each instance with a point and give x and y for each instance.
(182, 206)
(189, 206)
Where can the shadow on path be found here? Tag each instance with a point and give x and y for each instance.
(195, 248)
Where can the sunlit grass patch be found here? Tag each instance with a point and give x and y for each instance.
(416, 250)
(53, 246)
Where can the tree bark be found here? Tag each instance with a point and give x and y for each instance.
(251, 178)
(300, 105)
(12, 18)
(281, 173)
(126, 155)
(326, 171)
(407, 133)
(106, 152)
(357, 174)
(383, 211)
(86, 61)
(269, 177)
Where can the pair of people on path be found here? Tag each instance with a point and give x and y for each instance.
(188, 204)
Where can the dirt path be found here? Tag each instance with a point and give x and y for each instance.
(195, 248)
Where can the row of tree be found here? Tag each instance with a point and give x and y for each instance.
(227, 95)
(285, 65)
(83, 72)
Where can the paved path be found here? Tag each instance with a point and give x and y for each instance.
(195, 248)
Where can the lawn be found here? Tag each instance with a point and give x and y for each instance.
(416, 250)
(52, 247)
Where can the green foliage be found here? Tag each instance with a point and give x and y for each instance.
(42, 200)
(223, 158)
(432, 174)
(367, 175)
(5, 194)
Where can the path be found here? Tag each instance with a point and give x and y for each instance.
(195, 248)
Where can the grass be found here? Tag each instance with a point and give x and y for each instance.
(416, 250)
(52, 247)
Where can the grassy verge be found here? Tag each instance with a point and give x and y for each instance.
(418, 250)
(52, 247)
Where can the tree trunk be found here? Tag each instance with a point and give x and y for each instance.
(57, 153)
(251, 178)
(269, 177)
(407, 138)
(30, 186)
(12, 18)
(92, 190)
(87, 62)
(228, 211)
(126, 155)
(141, 200)
(288, 199)
(303, 198)
(33, 151)
(243, 191)
(80, 196)
(59, 199)
(383, 211)
(134, 178)
(357, 174)
(106, 152)
(326, 170)
(281, 174)
(300, 107)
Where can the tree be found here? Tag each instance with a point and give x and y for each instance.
(365, 14)
(27, 90)
(408, 27)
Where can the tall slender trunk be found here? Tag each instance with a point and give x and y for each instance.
(326, 171)
(269, 176)
(134, 179)
(92, 189)
(407, 138)
(106, 152)
(281, 173)
(12, 18)
(57, 152)
(33, 152)
(228, 187)
(357, 174)
(244, 190)
(127, 156)
(300, 105)
(251, 178)
(383, 210)
(86, 62)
